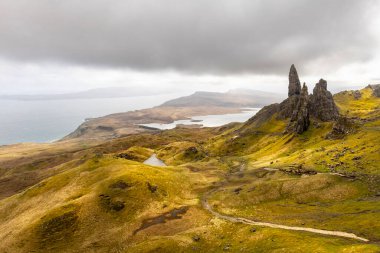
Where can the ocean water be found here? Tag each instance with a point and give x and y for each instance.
(209, 120)
(49, 120)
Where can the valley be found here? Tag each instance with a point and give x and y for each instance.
(300, 176)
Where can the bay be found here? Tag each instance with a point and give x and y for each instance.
(49, 120)
(209, 120)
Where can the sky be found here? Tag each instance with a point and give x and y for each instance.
(55, 46)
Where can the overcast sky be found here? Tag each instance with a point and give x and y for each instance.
(54, 46)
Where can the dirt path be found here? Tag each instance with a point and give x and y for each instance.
(234, 219)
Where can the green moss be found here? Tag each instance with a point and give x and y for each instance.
(57, 227)
(181, 152)
(136, 153)
(320, 201)
(363, 107)
(227, 237)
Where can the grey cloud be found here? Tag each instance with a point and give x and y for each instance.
(202, 36)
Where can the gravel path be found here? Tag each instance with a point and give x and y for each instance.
(234, 219)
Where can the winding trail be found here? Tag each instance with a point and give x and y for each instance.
(234, 219)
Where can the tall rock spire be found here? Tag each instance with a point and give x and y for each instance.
(300, 119)
(300, 107)
(294, 82)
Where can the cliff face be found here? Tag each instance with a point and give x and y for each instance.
(375, 89)
(300, 119)
(322, 104)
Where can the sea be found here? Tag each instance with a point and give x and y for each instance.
(50, 120)
(213, 120)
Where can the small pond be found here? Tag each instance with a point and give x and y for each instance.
(154, 161)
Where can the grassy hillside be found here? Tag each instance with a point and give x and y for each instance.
(99, 205)
(265, 144)
(101, 198)
(94, 203)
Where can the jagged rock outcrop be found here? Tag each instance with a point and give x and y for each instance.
(342, 127)
(322, 104)
(300, 107)
(294, 90)
(375, 89)
(357, 95)
(300, 119)
(287, 106)
(294, 82)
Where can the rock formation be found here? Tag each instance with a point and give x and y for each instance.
(357, 95)
(287, 107)
(294, 82)
(295, 106)
(300, 119)
(375, 89)
(342, 127)
(300, 107)
(294, 90)
(322, 104)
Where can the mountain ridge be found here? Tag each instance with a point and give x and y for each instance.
(108, 92)
(232, 98)
(197, 104)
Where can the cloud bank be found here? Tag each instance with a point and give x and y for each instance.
(197, 36)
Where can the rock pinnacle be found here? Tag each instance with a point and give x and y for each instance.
(294, 82)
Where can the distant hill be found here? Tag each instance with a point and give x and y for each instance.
(110, 92)
(232, 98)
(198, 104)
